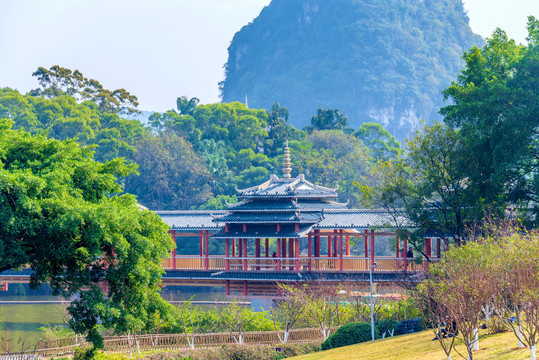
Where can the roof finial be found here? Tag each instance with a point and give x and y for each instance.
(286, 163)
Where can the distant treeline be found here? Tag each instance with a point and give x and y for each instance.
(197, 155)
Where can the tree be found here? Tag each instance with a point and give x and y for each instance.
(323, 307)
(382, 144)
(235, 318)
(494, 104)
(517, 292)
(278, 130)
(461, 285)
(436, 318)
(287, 311)
(61, 215)
(429, 184)
(58, 81)
(333, 159)
(187, 106)
(190, 318)
(329, 119)
(172, 176)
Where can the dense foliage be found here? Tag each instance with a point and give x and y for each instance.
(349, 334)
(382, 62)
(60, 216)
(482, 160)
(196, 156)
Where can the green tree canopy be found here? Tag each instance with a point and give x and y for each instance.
(58, 81)
(382, 144)
(328, 119)
(61, 216)
(483, 160)
(172, 176)
(495, 103)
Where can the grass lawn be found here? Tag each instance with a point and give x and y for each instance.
(419, 346)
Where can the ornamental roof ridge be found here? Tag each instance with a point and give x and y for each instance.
(339, 203)
(242, 202)
(370, 211)
(254, 188)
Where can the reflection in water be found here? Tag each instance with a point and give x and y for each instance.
(20, 323)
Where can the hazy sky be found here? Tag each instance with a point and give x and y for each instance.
(160, 49)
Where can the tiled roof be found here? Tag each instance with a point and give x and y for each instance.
(193, 219)
(281, 205)
(291, 276)
(276, 217)
(287, 188)
(332, 219)
(263, 231)
(354, 219)
(255, 275)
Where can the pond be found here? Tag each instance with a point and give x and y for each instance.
(20, 321)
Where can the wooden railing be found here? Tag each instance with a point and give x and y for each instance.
(174, 341)
(350, 263)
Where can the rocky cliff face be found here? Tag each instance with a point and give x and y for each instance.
(375, 60)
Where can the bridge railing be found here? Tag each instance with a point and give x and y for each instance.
(326, 264)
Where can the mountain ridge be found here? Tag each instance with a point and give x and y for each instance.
(383, 61)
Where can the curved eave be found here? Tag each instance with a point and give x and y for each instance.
(294, 196)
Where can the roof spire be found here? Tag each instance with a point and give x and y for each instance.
(286, 163)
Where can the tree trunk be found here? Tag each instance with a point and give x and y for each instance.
(476, 339)
(519, 336)
(532, 352)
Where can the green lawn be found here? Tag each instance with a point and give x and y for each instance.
(419, 346)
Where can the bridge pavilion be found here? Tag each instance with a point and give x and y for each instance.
(287, 230)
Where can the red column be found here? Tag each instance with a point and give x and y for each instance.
(257, 252)
(227, 254)
(296, 252)
(329, 246)
(405, 255)
(290, 252)
(240, 248)
(233, 247)
(201, 243)
(340, 250)
(438, 248)
(397, 245)
(335, 244)
(244, 287)
(428, 247)
(279, 254)
(227, 287)
(309, 251)
(372, 247)
(347, 245)
(207, 248)
(317, 244)
(244, 254)
(174, 251)
(267, 247)
(366, 244)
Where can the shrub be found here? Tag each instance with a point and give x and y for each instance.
(239, 352)
(351, 333)
(409, 326)
(387, 325)
(85, 354)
